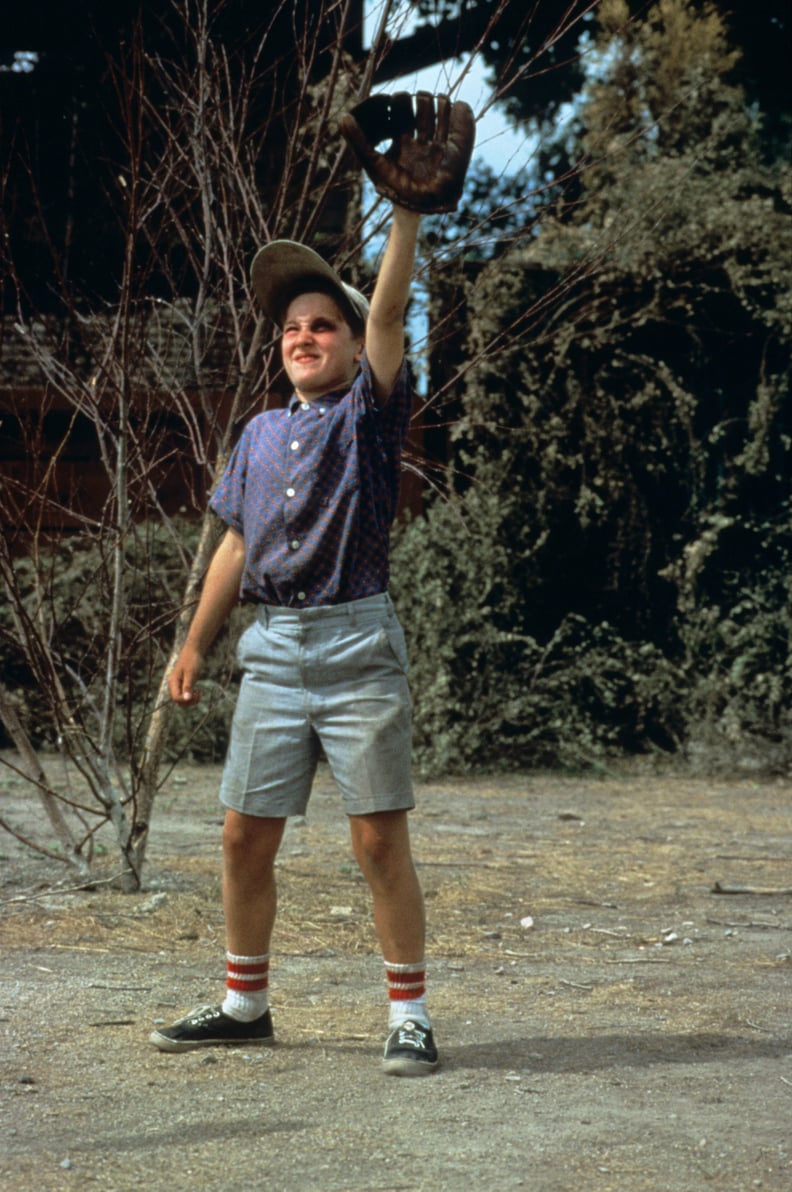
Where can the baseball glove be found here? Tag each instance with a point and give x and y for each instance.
(431, 143)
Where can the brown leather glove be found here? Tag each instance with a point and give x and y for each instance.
(432, 141)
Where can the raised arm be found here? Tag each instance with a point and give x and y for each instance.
(385, 326)
(422, 171)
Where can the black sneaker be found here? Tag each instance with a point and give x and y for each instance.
(209, 1027)
(410, 1050)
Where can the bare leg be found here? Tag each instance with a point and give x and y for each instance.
(250, 846)
(250, 898)
(381, 843)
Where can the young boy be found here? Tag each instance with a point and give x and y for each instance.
(308, 499)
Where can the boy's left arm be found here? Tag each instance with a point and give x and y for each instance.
(385, 326)
(423, 171)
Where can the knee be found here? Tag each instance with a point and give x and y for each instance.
(381, 845)
(251, 841)
(374, 852)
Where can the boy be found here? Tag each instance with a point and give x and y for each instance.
(308, 500)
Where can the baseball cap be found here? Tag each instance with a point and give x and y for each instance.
(283, 269)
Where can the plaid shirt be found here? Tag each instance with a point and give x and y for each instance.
(313, 491)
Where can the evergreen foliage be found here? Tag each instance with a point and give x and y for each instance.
(613, 570)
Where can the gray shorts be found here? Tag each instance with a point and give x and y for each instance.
(333, 679)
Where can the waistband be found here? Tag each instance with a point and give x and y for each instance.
(350, 612)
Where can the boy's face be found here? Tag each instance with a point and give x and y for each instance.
(320, 351)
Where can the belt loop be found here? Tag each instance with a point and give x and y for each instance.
(263, 615)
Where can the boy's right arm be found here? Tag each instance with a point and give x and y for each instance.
(219, 596)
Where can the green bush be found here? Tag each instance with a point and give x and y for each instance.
(487, 696)
(64, 593)
(736, 628)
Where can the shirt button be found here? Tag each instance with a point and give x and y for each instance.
(289, 492)
(305, 406)
(295, 544)
(294, 445)
(301, 595)
(321, 409)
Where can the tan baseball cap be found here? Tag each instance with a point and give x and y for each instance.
(283, 269)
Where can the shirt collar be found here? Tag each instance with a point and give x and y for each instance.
(327, 399)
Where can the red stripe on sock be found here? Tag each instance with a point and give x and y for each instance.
(242, 969)
(406, 987)
(247, 978)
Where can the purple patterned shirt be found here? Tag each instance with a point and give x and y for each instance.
(313, 491)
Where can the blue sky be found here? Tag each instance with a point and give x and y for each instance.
(496, 140)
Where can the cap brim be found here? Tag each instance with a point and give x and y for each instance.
(283, 268)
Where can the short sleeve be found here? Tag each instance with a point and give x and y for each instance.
(228, 499)
(393, 415)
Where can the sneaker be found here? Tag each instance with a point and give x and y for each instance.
(410, 1050)
(209, 1027)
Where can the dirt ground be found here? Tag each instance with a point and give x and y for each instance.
(609, 1017)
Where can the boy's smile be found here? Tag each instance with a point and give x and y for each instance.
(320, 351)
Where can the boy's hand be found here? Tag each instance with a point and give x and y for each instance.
(432, 142)
(181, 680)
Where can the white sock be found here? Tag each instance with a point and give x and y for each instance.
(414, 1011)
(247, 987)
(407, 993)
